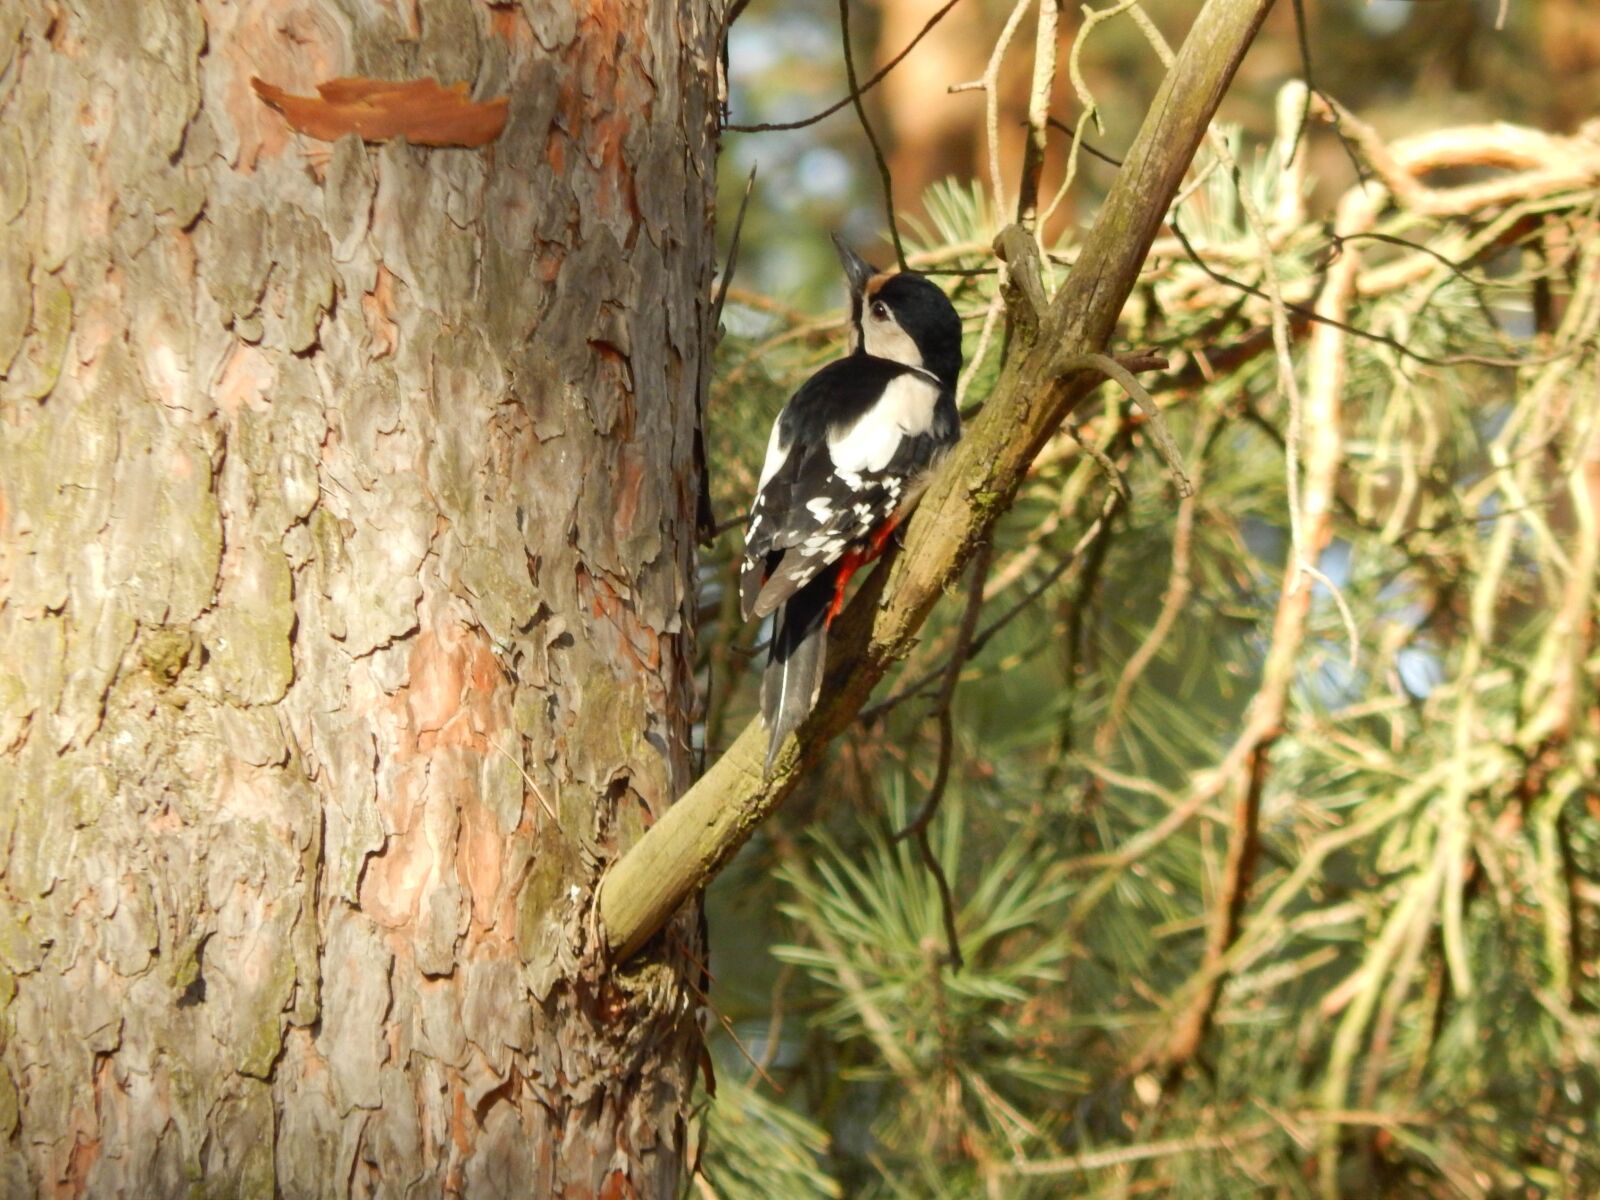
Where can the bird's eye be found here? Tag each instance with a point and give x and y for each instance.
(880, 310)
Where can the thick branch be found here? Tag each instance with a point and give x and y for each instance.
(688, 845)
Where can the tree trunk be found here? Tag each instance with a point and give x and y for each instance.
(346, 520)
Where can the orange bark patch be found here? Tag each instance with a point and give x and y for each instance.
(295, 42)
(378, 307)
(450, 697)
(408, 865)
(247, 376)
(550, 261)
(641, 643)
(460, 1130)
(85, 1153)
(615, 191)
(629, 485)
(419, 110)
(437, 669)
(184, 259)
(510, 24)
(606, 95)
(618, 1187)
(483, 673)
(480, 861)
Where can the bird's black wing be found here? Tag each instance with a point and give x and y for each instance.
(843, 457)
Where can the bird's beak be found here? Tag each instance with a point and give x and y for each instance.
(857, 269)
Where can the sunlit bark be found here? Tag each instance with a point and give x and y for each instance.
(346, 509)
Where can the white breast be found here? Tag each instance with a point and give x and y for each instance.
(905, 410)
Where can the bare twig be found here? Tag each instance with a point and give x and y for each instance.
(1108, 512)
(1159, 433)
(947, 691)
(1043, 83)
(947, 903)
(532, 786)
(1173, 600)
(855, 94)
(1381, 339)
(1081, 143)
(722, 1019)
(1227, 910)
(989, 82)
(705, 514)
(917, 827)
(872, 138)
(733, 253)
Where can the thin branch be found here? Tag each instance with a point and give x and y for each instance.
(1091, 18)
(1120, 1156)
(1244, 766)
(733, 253)
(872, 138)
(1109, 509)
(855, 94)
(947, 903)
(1173, 600)
(918, 826)
(1192, 1026)
(1094, 151)
(1114, 476)
(1159, 433)
(947, 691)
(1303, 41)
(1381, 339)
(1070, 175)
(722, 1019)
(706, 527)
(1044, 79)
(989, 82)
(532, 786)
(1287, 382)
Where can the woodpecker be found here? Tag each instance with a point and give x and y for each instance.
(847, 458)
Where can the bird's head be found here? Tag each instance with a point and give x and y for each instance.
(903, 317)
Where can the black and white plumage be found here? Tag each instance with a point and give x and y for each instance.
(848, 456)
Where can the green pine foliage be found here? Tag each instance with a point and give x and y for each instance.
(1408, 1003)
(757, 1146)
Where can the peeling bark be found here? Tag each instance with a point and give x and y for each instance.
(346, 518)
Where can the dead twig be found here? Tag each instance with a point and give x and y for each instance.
(872, 137)
(855, 93)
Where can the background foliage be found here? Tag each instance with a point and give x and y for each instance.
(1246, 906)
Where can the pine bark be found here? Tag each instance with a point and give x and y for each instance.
(346, 517)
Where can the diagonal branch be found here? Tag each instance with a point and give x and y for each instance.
(1037, 389)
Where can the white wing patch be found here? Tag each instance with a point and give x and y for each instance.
(777, 452)
(904, 410)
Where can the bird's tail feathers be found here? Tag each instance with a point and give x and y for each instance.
(793, 679)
